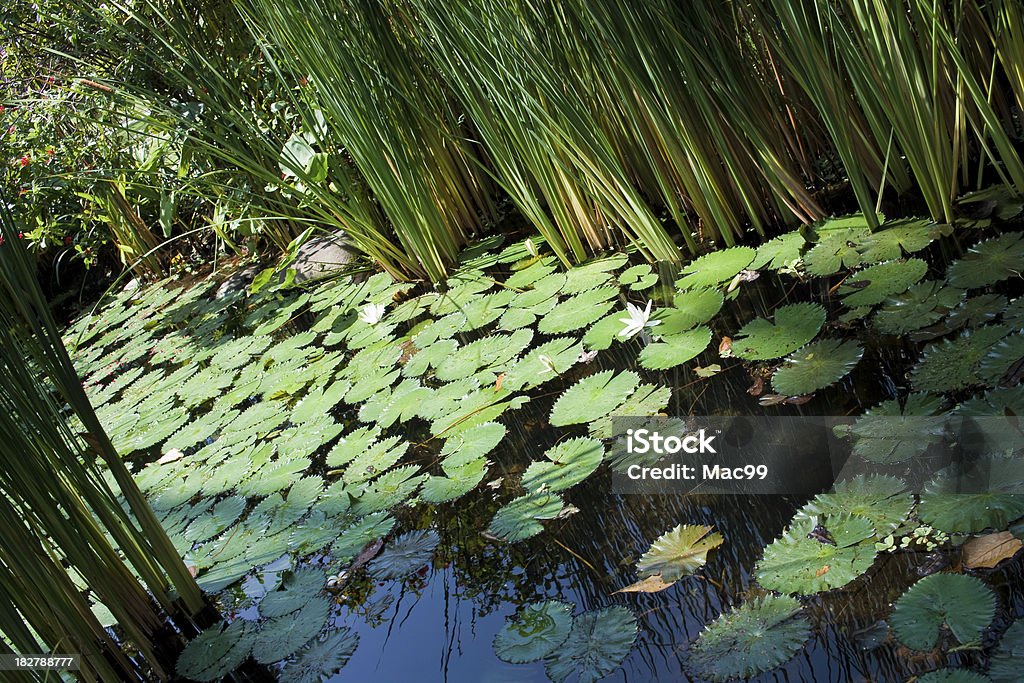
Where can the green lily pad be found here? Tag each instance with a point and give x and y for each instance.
(520, 519)
(692, 307)
(751, 639)
(370, 528)
(648, 399)
(799, 563)
(920, 306)
(816, 366)
(216, 652)
(794, 326)
(873, 284)
(890, 434)
(593, 397)
(880, 499)
(535, 632)
(944, 507)
(597, 645)
(679, 552)
(976, 310)
(578, 311)
(962, 604)
(638, 278)
(714, 268)
(989, 262)
(953, 363)
(406, 554)
(779, 252)
(1002, 360)
(295, 591)
(676, 349)
(322, 658)
(567, 464)
(1008, 659)
(281, 637)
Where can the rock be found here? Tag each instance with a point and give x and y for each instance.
(322, 256)
(237, 281)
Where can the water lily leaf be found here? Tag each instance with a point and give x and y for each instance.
(274, 476)
(638, 278)
(303, 440)
(873, 284)
(898, 237)
(648, 399)
(378, 457)
(403, 556)
(281, 637)
(216, 652)
(602, 333)
(794, 326)
(989, 550)
(471, 444)
(351, 445)
(800, 563)
(962, 604)
(920, 306)
(975, 311)
(367, 385)
(889, 434)
(753, 638)
(953, 363)
(675, 349)
(712, 269)
(593, 397)
(461, 480)
(533, 273)
(578, 311)
(568, 463)
(431, 356)
(836, 247)
(520, 519)
(535, 632)
(945, 508)
(370, 528)
(880, 499)
(296, 591)
(1002, 363)
(1008, 660)
(816, 366)
(322, 658)
(224, 514)
(597, 645)
(679, 552)
(779, 252)
(692, 307)
(491, 351)
(989, 262)
(389, 490)
(399, 405)
(543, 363)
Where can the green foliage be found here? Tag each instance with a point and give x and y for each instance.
(597, 644)
(322, 657)
(568, 463)
(800, 563)
(873, 284)
(751, 639)
(216, 652)
(959, 603)
(953, 363)
(1005, 664)
(989, 262)
(675, 349)
(404, 555)
(521, 518)
(593, 397)
(794, 326)
(715, 268)
(679, 552)
(536, 631)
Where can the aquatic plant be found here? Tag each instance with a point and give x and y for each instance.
(794, 326)
(961, 604)
(595, 647)
(535, 632)
(816, 366)
(678, 552)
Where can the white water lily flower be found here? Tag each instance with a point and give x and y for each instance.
(532, 248)
(372, 313)
(638, 319)
(549, 365)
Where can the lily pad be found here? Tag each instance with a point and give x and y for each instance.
(692, 307)
(873, 284)
(521, 518)
(281, 637)
(989, 262)
(567, 464)
(953, 676)
(953, 363)
(535, 632)
(1008, 659)
(751, 639)
(679, 552)
(638, 278)
(404, 555)
(816, 366)
(880, 499)
(675, 349)
(920, 306)
(779, 252)
(216, 652)
(800, 563)
(794, 326)
(714, 268)
(962, 604)
(593, 397)
(597, 645)
(322, 657)
(890, 434)
(578, 311)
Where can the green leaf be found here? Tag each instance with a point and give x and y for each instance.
(1008, 659)
(568, 463)
(520, 519)
(593, 397)
(872, 285)
(597, 645)
(294, 593)
(1002, 360)
(923, 304)
(751, 639)
(679, 552)
(889, 434)
(215, 653)
(880, 499)
(989, 262)
(638, 278)
(953, 363)
(322, 658)
(816, 366)
(281, 637)
(944, 507)
(779, 252)
(794, 326)
(799, 563)
(692, 307)
(403, 556)
(578, 311)
(648, 399)
(673, 350)
(714, 268)
(963, 604)
(536, 631)
(370, 528)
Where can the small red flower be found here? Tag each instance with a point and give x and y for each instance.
(50, 152)
(25, 161)
(1, 239)
(21, 235)
(67, 240)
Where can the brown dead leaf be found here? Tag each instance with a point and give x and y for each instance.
(823, 570)
(652, 584)
(725, 347)
(989, 550)
(757, 388)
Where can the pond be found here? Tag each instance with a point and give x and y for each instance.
(379, 481)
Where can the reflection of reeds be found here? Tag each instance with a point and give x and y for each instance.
(605, 123)
(61, 520)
